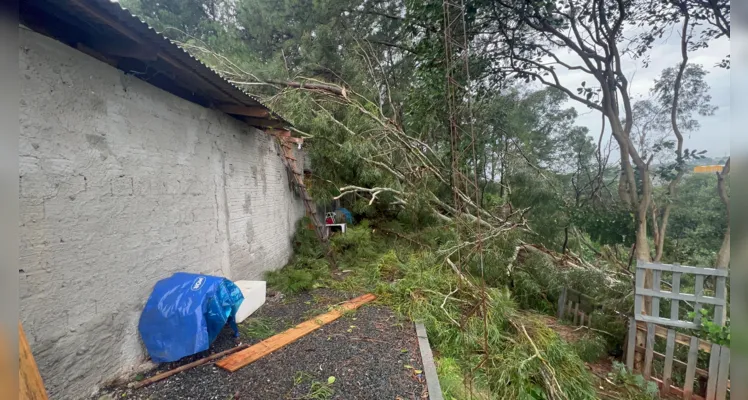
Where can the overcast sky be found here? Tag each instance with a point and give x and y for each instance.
(714, 134)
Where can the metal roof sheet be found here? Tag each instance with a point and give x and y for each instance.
(111, 14)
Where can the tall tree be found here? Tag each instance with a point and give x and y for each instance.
(682, 93)
(532, 39)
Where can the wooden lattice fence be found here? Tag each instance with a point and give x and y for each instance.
(717, 375)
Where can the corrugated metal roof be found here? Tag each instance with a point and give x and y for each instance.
(110, 14)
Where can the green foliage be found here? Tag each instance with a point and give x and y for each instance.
(718, 334)
(513, 369)
(591, 348)
(258, 328)
(610, 225)
(635, 387)
(454, 383)
(357, 237)
(291, 280)
(307, 267)
(697, 223)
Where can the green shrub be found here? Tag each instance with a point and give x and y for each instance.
(633, 387)
(590, 348)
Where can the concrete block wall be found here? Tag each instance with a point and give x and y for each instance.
(122, 184)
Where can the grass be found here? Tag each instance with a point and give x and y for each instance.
(258, 328)
(591, 347)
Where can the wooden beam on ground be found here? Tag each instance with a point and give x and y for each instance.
(267, 346)
(185, 367)
(247, 111)
(30, 384)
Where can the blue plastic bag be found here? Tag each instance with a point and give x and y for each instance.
(185, 313)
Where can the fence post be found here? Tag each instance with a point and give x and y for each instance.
(711, 384)
(561, 303)
(724, 372)
(693, 353)
(631, 345)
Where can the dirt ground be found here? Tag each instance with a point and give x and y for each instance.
(371, 353)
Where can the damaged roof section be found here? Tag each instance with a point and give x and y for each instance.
(106, 31)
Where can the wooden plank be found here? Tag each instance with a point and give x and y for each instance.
(667, 373)
(693, 353)
(675, 303)
(648, 356)
(185, 367)
(582, 316)
(680, 296)
(724, 373)
(589, 320)
(680, 338)
(676, 362)
(668, 322)
(267, 346)
(682, 268)
(698, 291)
(576, 314)
(561, 301)
(720, 293)
(711, 384)
(30, 384)
(570, 307)
(429, 367)
(631, 346)
(638, 301)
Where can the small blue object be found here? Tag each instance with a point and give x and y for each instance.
(185, 313)
(348, 215)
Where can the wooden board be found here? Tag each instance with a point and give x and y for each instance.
(693, 354)
(267, 346)
(683, 268)
(680, 338)
(30, 383)
(667, 373)
(700, 372)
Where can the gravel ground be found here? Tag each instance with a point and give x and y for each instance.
(371, 353)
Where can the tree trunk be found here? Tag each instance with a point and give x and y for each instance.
(723, 257)
(673, 186)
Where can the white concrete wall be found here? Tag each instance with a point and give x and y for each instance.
(122, 184)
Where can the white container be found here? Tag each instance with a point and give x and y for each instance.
(254, 297)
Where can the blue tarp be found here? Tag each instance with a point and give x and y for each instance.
(185, 313)
(348, 215)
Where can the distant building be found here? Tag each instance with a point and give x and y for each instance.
(702, 169)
